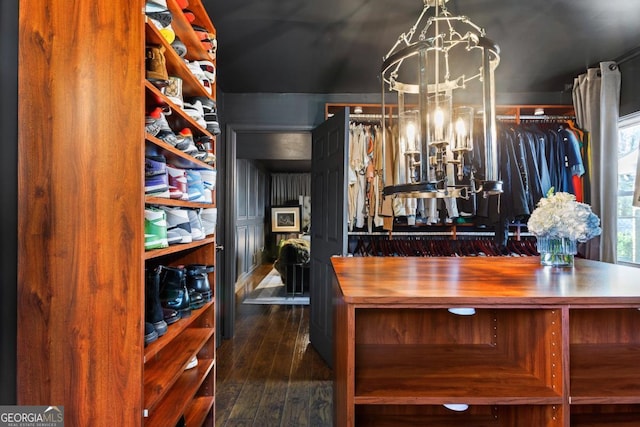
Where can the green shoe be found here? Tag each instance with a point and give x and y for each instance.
(155, 229)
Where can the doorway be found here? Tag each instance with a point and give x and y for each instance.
(272, 149)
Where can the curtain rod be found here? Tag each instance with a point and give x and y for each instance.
(628, 56)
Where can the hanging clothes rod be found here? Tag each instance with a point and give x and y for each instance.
(370, 116)
(535, 117)
(499, 117)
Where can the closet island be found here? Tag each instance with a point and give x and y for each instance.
(485, 341)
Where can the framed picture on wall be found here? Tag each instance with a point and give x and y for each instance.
(285, 219)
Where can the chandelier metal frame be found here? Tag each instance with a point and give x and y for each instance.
(430, 52)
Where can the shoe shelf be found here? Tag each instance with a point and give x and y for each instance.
(198, 412)
(183, 29)
(175, 329)
(178, 118)
(170, 391)
(181, 247)
(151, 200)
(175, 65)
(162, 371)
(174, 156)
(187, 385)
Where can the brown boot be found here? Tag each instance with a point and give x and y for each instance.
(156, 66)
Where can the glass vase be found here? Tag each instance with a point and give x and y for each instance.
(556, 251)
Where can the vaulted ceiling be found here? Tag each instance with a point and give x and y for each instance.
(336, 46)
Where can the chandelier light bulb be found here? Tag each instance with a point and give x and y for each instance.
(461, 129)
(411, 132)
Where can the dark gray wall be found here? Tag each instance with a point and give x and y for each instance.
(8, 197)
(630, 87)
(250, 216)
(308, 110)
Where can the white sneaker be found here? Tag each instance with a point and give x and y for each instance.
(195, 69)
(192, 363)
(209, 217)
(178, 222)
(197, 231)
(208, 178)
(196, 112)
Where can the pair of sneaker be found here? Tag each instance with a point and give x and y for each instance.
(209, 113)
(194, 109)
(195, 186)
(185, 142)
(183, 225)
(208, 178)
(196, 70)
(156, 125)
(178, 188)
(209, 218)
(161, 17)
(204, 144)
(156, 181)
(207, 40)
(166, 225)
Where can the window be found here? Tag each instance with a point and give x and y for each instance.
(628, 239)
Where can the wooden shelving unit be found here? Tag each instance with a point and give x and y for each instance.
(81, 270)
(170, 391)
(545, 347)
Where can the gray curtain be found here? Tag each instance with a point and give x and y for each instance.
(289, 186)
(596, 99)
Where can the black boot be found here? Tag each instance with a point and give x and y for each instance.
(150, 334)
(195, 299)
(198, 279)
(152, 308)
(173, 290)
(170, 316)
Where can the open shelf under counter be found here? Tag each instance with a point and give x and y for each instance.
(438, 374)
(605, 373)
(441, 416)
(605, 415)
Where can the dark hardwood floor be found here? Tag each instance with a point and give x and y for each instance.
(269, 374)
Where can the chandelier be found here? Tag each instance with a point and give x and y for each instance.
(440, 69)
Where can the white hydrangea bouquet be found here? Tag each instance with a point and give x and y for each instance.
(560, 216)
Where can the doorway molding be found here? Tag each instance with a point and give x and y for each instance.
(227, 180)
